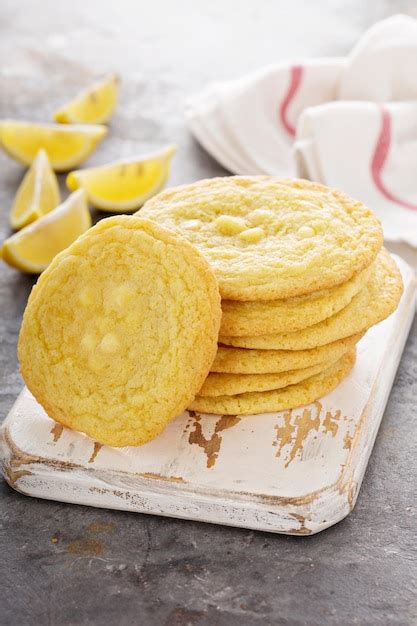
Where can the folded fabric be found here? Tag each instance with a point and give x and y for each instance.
(370, 151)
(249, 125)
(383, 64)
(347, 122)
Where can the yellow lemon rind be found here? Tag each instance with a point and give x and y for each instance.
(93, 134)
(75, 111)
(79, 179)
(10, 248)
(44, 175)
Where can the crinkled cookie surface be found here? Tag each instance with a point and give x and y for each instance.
(269, 238)
(120, 331)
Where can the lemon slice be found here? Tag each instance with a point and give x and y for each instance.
(66, 145)
(38, 193)
(93, 106)
(33, 248)
(123, 185)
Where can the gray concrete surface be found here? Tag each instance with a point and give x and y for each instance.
(71, 565)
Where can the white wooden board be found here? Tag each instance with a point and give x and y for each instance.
(294, 472)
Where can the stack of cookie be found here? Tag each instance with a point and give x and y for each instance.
(126, 328)
(302, 276)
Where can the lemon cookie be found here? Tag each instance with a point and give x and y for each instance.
(120, 331)
(283, 316)
(241, 361)
(217, 384)
(376, 301)
(288, 398)
(269, 238)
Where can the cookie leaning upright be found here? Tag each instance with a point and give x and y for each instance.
(269, 238)
(120, 331)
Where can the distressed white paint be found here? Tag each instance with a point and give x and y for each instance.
(254, 482)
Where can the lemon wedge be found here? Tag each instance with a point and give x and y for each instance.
(33, 248)
(38, 193)
(124, 185)
(66, 145)
(93, 106)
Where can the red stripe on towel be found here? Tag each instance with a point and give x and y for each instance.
(380, 156)
(295, 80)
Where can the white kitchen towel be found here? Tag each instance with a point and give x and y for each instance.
(248, 125)
(383, 64)
(350, 123)
(369, 150)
